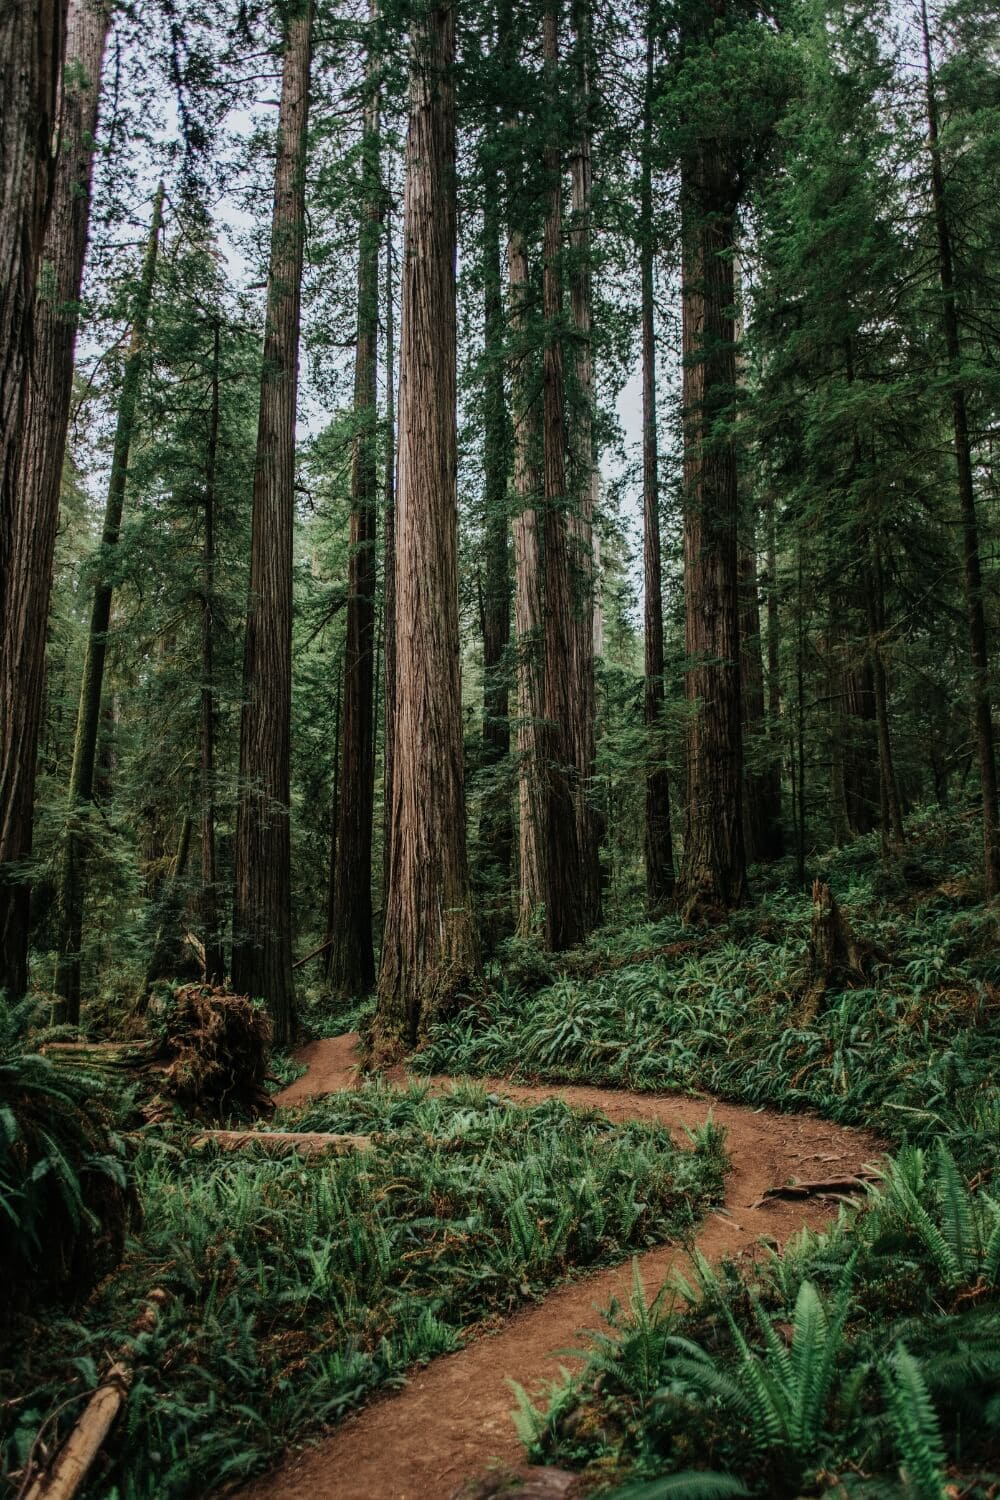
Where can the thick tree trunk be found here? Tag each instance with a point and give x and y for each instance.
(429, 948)
(215, 964)
(982, 708)
(527, 600)
(659, 848)
(72, 875)
(389, 564)
(262, 918)
(32, 38)
(714, 871)
(350, 959)
(566, 901)
(34, 516)
(495, 831)
(585, 483)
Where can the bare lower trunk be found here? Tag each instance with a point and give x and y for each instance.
(72, 876)
(429, 947)
(214, 958)
(566, 890)
(762, 787)
(527, 602)
(350, 963)
(262, 918)
(659, 849)
(893, 834)
(585, 480)
(495, 832)
(714, 871)
(34, 517)
(389, 567)
(32, 38)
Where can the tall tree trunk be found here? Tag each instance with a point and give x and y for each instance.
(659, 848)
(429, 946)
(762, 787)
(72, 876)
(32, 39)
(215, 963)
(496, 834)
(972, 566)
(861, 747)
(350, 959)
(33, 521)
(585, 481)
(565, 893)
(714, 870)
(262, 918)
(527, 599)
(893, 834)
(389, 562)
(166, 940)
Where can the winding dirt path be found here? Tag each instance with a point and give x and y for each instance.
(453, 1417)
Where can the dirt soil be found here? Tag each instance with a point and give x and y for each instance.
(452, 1419)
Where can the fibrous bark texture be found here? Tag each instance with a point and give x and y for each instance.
(262, 935)
(429, 946)
(350, 967)
(714, 869)
(34, 502)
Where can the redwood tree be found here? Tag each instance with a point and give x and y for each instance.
(262, 935)
(429, 946)
(34, 512)
(350, 965)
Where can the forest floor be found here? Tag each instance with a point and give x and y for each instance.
(453, 1419)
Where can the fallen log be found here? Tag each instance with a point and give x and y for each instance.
(72, 1463)
(283, 1142)
(820, 1187)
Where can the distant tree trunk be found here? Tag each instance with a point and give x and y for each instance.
(659, 849)
(835, 680)
(585, 480)
(496, 834)
(32, 38)
(72, 874)
(262, 919)
(714, 871)
(893, 834)
(527, 601)
(762, 786)
(389, 564)
(429, 947)
(350, 960)
(982, 708)
(34, 517)
(861, 748)
(566, 900)
(215, 963)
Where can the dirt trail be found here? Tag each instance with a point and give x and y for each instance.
(453, 1417)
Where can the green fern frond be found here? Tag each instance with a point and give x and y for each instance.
(692, 1486)
(916, 1431)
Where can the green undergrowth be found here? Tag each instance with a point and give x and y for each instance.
(909, 1052)
(861, 1362)
(296, 1287)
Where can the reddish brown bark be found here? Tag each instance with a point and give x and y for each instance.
(34, 516)
(429, 947)
(262, 919)
(714, 870)
(350, 964)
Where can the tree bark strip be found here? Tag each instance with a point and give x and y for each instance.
(262, 919)
(350, 962)
(215, 964)
(429, 947)
(34, 516)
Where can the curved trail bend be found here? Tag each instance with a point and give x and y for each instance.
(453, 1417)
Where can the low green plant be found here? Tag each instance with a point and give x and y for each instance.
(298, 1286)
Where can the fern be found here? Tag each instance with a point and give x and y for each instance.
(916, 1431)
(692, 1486)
